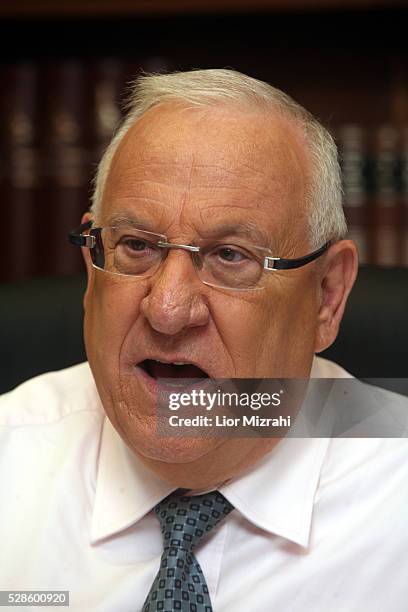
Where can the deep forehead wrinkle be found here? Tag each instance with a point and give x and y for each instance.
(156, 161)
(124, 218)
(193, 168)
(248, 230)
(142, 181)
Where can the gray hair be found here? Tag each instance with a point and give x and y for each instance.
(206, 88)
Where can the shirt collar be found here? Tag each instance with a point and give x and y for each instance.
(276, 495)
(126, 490)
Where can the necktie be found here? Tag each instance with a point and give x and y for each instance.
(185, 521)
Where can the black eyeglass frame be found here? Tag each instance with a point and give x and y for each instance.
(78, 238)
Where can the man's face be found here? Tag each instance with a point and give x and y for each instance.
(185, 173)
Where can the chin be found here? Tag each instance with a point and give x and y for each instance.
(150, 445)
(133, 411)
(131, 403)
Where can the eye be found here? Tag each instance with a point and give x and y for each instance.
(135, 244)
(230, 254)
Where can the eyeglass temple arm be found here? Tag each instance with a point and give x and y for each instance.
(277, 263)
(77, 238)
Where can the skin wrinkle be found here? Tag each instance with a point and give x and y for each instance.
(230, 187)
(125, 218)
(284, 246)
(199, 166)
(259, 334)
(149, 200)
(238, 173)
(184, 198)
(235, 174)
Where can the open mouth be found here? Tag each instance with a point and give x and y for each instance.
(158, 369)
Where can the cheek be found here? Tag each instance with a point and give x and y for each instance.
(272, 333)
(111, 310)
(242, 323)
(290, 337)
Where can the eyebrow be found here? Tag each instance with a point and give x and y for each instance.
(120, 219)
(248, 230)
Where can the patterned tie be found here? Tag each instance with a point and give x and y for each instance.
(185, 521)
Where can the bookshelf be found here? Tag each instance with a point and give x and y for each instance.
(64, 67)
(94, 8)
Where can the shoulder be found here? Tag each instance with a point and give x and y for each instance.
(50, 397)
(367, 467)
(323, 368)
(369, 443)
(50, 438)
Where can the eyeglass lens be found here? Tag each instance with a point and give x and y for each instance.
(133, 252)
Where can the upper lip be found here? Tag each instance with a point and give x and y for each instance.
(175, 359)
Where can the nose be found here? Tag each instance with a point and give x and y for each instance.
(176, 297)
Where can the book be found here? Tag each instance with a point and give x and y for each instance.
(20, 174)
(385, 195)
(65, 163)
(353, 154)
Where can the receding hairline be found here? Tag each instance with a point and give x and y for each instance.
(207, 88)
(235, 109)
(141, 103)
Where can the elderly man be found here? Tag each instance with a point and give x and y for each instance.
(214, 248)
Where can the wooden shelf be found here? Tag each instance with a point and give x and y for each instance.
(100, 8)
(345, 60)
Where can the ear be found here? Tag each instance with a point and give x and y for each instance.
(88, 262)
(339, 271)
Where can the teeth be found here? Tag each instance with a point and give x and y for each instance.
(179, 363)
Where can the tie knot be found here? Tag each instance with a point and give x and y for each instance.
(186, 520)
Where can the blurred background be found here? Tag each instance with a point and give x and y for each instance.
(65, 67)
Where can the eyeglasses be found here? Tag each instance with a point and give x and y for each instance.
(133, 252)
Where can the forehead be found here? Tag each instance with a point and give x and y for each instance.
(217, 164)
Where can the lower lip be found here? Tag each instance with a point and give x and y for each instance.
(154, 387)
(149, 382)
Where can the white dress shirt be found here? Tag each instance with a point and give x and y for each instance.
(320, 525)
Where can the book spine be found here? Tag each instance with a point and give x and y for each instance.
(21, 176)
(404, 196)
(386, 197)
(352, 142)
(108, 89)
(65, 164)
